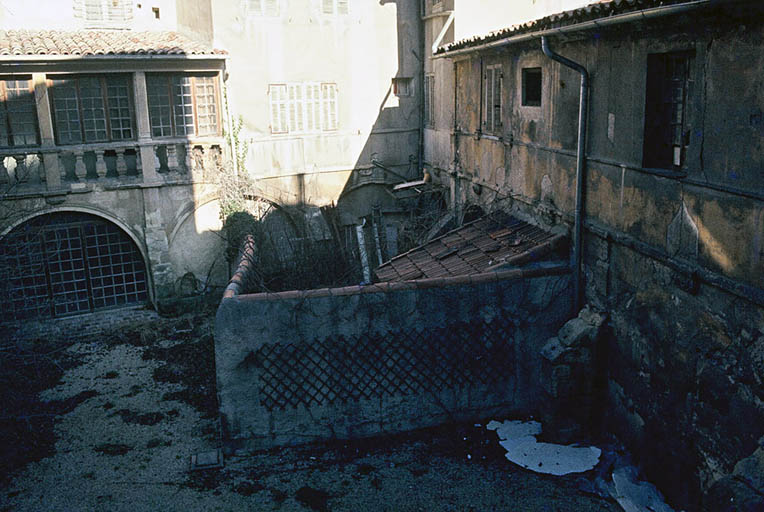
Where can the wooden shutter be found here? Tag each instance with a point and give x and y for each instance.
(278, 96)
(255, 7)
(296, 108)
(342, 6)
(327, 6)
(329, 100)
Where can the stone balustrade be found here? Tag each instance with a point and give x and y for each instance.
(24, 170)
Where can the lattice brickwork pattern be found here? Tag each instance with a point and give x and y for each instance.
(398, 362)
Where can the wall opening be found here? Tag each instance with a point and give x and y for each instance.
(66, 263)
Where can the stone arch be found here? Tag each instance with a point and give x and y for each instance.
(70, 260)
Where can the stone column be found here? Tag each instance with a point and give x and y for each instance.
(47, 139)
(157, 244)
(145, 145)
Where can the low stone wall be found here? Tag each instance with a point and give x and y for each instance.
(76, 327)
(296, 367)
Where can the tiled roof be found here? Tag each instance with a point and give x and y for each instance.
(475, 248)
(594, 11)
(85, 43)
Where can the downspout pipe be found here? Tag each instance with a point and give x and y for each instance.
(583, 116)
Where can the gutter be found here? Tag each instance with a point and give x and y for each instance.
(642, 15)
(583, 115)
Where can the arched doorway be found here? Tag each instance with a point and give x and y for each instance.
(65, 263)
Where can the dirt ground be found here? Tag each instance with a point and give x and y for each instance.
(111, 425)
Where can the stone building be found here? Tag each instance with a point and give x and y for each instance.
(114, 117)
(112, 134)
(672, 215)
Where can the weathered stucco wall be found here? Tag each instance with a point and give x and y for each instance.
(361, 52)
(350, 362)
(675, 257)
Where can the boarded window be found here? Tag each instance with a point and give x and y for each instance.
(666, 135)
(303, 107)
(493, 90)
(92, 109)
(531, 87)
(18, 114)
(183, 105)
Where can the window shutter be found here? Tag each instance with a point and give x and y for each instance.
(271, 7)
(327, 6)
(342, 6)
(277, 95)
(329, 97)
(255, 7)
(295, 108)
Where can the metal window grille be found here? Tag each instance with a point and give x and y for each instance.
(68, 263)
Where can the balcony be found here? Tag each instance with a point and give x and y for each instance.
(25, 171)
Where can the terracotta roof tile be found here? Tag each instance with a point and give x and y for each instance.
(595, 10)
(18, 43)
(471, 249)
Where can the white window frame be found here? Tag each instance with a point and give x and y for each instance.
(334, 7)
(493, 85)
(303, 107)
(262, 8)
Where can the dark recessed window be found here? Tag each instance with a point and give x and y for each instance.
(532, 87)
(666, 99)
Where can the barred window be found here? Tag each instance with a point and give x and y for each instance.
(183, 105)
(18, 114)
(303, 107)
(92, 109)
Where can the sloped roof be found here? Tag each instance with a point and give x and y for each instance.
(480, 246)
(593, 11)
(90, 43)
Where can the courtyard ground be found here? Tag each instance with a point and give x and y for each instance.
(111, 423)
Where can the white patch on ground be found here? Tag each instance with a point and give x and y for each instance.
(637, 496)
(519, 439)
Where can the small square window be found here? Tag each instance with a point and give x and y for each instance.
(531, 87)
(402, 86)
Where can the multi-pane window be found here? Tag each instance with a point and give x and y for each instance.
(18, 113)
(493, 84)
(303, 107)
(182, 105)
(268, 8)
(92, 109)
(104, 13)
(334, 6)
(429, 100)
(666, 121)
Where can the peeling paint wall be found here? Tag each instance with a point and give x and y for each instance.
(675, 257)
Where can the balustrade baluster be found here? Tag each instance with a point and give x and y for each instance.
(4, 177)
(121, 163)
(21, 168)
(189, 161)
(172, 157)
(100, 165)
(79, 165)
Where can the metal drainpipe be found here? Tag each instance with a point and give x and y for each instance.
(583, 115)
